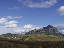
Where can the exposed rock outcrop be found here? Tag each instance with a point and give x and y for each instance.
(48, 30)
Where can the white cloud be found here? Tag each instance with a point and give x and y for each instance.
(8, 23)
(60, 28)
(3, 20)
(11, 24)
(61, 10)
(17, 29)
(30, 26)
(4, 30)
(62, 31)
(25, 28)
(16, 17)
(40, 4)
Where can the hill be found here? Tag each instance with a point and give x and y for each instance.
(46, 37)
(6, 43)
(49, 30)
(49, 33)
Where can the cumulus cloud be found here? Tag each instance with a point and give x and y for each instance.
(18, 29)
(30, 26)
(3, 20)
(4, 30)
(8, 23)
(60, 28)
(11, 24)
(62, 31)
(61, 10)
(39, 3)
(26, 28)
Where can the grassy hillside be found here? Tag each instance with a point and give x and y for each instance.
(33, 37)
(31, 41)
(42, 37)
(30, 44)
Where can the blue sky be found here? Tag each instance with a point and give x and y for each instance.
(32, 12)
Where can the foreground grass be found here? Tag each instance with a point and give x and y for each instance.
(33, 41)
(6, 43)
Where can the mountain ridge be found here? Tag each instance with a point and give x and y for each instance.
(48, 29)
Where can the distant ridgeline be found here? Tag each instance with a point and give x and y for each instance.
(49, 33)
(45, 30)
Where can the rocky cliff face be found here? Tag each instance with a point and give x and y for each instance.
(48, 30)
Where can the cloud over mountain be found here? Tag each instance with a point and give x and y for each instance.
(10, 24)
(30, 26)
(60, 28)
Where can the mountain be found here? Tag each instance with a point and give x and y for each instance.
(47, 30)
(48, 33)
